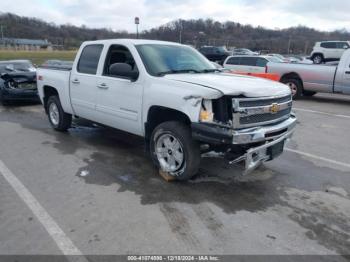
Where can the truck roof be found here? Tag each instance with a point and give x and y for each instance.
(132, 41)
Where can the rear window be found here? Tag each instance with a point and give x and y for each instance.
(89, 58)
(342, 45)
(329, 45)
(206, 50)
(233, 61)
(248, 61)
(261, 62)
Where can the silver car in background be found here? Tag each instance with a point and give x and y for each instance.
(307, 80)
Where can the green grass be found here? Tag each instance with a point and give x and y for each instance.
(37, 57)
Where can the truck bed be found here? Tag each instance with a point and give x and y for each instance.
(318, 78)
(55, 77)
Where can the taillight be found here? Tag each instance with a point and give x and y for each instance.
(40, 78)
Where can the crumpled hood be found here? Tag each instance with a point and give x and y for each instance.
(235, 85)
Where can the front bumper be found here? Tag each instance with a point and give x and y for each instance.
(19, 94)
(267, 138)
(221, 135)
(257, 155)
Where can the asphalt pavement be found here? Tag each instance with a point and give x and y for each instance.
(94, 190)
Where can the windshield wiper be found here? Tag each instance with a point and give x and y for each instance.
(178, 72)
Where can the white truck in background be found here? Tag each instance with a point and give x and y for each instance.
(175, 98)
(307, 80)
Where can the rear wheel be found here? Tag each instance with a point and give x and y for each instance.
(2, 100)
(59, 120)
(317, 59)
(174, 151)
(295, 86)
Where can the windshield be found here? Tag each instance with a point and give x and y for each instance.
(222, 49)
(22, 66)
(274, 59)
(278, 56)
(16, 66)
(171, 59)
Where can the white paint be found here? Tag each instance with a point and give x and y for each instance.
(63, 242)
(318, 157)
(320, 112)
(84, 173)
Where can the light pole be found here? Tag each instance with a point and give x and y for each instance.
(137, 22)
(2, 32)
(181, 29)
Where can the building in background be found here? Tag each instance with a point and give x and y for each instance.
(25, 44)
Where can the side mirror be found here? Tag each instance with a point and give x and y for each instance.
(123, 70)
(345, 47)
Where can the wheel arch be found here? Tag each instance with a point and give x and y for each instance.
(49, 91)
(160, 114)
(292, 75)
(317, 53)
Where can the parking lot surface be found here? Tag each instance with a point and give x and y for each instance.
(94, 190)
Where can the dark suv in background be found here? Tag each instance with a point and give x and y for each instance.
(215, 53)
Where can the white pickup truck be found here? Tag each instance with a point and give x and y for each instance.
(175, 98)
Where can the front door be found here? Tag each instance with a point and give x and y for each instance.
(119, 100)
(346, 80)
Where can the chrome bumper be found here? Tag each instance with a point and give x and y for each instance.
(257, 155)
(260, 134)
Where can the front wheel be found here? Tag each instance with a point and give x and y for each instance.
(317, 59)
(295, 86)
(59, 120)
(174, 151)
(2, 100)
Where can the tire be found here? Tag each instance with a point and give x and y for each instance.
(170, 141)
(2, 100)
(59, 120)
(295, 85)
(309, 93)
(318, 59)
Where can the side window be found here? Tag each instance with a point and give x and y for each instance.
(210, 50)
(248, 61)
(329, 45)
(89, 58)
(118, 54)
(261, 62)
(342, 45)
(233, 61)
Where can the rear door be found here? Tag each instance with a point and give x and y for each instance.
(233, 63)
(330, 50)
(248, 64)
(341, 48)
(83, 82)
(261, 64)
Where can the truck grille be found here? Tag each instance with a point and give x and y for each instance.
(250, 112)
(264, 102)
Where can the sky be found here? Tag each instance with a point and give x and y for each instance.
(324, 15)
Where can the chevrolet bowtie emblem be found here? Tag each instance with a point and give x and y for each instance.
(274, 108)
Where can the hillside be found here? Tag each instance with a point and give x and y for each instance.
(195, 32)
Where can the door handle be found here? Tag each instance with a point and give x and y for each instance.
(76, 81)
(103, 86)
(347, 72)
